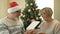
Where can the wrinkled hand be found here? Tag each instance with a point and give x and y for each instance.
(42, 33)
(31, 32)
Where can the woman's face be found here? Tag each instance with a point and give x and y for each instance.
(44, 15)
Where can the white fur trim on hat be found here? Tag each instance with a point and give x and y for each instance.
(13, 9)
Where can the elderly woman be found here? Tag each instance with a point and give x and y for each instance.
(49, 25)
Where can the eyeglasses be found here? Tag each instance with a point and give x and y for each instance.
(18, 11)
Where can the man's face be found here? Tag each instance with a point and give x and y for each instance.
(44, 15)
(17, 13)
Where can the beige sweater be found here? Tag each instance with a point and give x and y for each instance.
(50, 28)
(8, 26)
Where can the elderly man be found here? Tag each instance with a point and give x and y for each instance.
(49, 25)
(11, 24)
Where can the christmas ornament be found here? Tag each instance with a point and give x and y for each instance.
(39, 14)
(29, 10)
(26, 4)
(33, 9)
(36, 18)
(31, 4)
(22, 10)
(23, 15)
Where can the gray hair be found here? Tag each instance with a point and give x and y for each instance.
(48, 11)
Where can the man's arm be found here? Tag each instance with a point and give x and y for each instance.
(3, 29)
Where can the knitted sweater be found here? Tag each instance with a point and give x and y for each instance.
(50, 28)
(8, 26)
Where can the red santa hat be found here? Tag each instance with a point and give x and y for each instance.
(13, 7)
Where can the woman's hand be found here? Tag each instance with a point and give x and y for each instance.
(31, 32)
(41, 33)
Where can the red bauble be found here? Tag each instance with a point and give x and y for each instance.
(28, 19)
(33, 9)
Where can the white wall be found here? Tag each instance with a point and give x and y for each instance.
(3, 8)
(57, 9)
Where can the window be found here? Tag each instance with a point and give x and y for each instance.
(45, 3)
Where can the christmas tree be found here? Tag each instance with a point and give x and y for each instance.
(30, 12)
